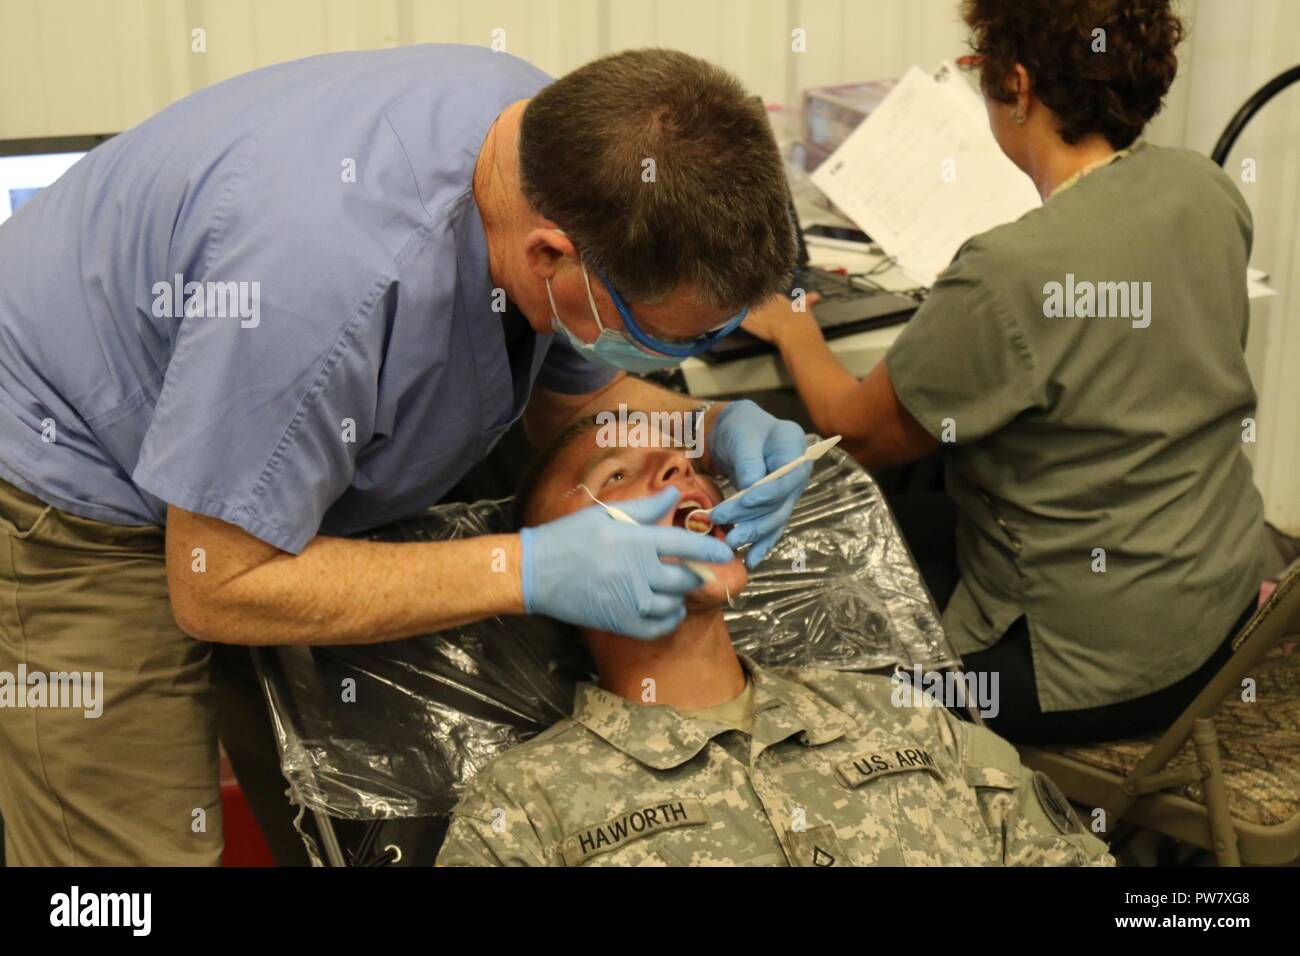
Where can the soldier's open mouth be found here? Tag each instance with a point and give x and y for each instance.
(699, 525)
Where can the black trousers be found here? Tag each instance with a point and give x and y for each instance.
(1021, 719)
(928, 521)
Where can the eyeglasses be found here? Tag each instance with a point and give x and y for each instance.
(696, 346)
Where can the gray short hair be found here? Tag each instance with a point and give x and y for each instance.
(709, 213)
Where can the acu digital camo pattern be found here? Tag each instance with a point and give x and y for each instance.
(834, 774)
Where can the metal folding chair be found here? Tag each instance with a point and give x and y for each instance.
(1226, 775)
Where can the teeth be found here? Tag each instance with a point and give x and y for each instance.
(700, 524)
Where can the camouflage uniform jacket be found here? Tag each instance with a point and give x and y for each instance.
(834, 773)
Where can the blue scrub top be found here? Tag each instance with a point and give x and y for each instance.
(373, 372)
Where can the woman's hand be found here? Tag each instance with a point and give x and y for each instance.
(775, 318)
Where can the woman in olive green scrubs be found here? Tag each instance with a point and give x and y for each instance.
(1083, 371)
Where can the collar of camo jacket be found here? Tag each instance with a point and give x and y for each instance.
(662, 737)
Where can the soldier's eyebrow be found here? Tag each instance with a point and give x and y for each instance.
(600, 457)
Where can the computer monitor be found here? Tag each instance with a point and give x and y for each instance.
(29, 165)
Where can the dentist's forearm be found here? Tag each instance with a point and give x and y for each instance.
(338, 590)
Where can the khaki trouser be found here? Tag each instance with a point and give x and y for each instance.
(138, 784)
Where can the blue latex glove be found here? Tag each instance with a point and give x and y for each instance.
(748, 443)
(591, 570)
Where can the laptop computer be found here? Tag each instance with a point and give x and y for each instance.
(844, 309)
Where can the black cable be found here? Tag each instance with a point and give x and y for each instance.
(387, 858)
(366, 846)
(866, 281)
(1249, 109)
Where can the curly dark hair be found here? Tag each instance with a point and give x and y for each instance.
(1114, 93)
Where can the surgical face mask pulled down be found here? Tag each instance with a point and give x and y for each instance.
(611, 348)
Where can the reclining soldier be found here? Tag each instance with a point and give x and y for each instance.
(686, 753)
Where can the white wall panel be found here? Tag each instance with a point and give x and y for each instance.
(22, 88)
(77, 66)
(1234, 49)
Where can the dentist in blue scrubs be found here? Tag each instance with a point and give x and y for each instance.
(303, 303)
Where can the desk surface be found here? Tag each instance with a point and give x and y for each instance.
(857, 353)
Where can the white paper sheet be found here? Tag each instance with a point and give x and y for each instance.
(922, 173)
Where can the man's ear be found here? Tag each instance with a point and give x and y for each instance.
(544, 248)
